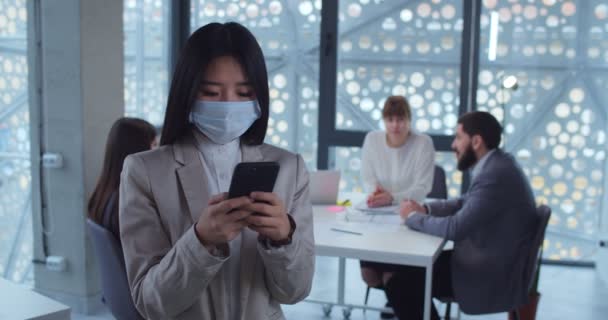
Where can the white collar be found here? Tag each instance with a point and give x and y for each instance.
(480, 164)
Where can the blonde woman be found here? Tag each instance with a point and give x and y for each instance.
(397, 164)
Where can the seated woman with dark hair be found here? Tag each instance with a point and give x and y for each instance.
(127, 136)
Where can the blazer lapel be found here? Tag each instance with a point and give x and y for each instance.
(249, 241)
(191, 176)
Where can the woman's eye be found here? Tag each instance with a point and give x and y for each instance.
(246, 94)
(209, 93)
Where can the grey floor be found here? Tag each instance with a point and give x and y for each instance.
(567, 293)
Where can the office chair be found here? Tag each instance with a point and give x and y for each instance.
(114, 284)
(439, 190)
(543, 213)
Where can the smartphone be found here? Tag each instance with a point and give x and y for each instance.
(253, 176)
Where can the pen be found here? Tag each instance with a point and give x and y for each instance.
(344, 203)
(346, 231)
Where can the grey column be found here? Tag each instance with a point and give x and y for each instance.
(602, 255)
(75, 51)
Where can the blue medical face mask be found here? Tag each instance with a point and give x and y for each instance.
(224, 121)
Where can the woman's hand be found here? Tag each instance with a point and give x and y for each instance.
(379, 198)
(271, 219)
(222, 220)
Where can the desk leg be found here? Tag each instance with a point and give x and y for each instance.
(428, 292)
(341, 280)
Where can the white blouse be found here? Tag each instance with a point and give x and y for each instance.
(218, 163)
(406, 171)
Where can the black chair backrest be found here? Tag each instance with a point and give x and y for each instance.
(543, 213)
(110, 263)
(440, 189)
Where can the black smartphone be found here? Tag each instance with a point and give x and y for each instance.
(253, 176)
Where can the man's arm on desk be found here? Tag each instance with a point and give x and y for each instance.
(443, 208)
(482, 205)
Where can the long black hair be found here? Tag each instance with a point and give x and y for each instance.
(212, 41)
(127, 136)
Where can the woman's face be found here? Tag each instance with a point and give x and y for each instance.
(396, 126)
(224, 80)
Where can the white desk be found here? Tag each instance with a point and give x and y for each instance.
(19, 302)
(381, 243)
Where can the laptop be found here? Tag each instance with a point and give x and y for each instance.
(324, 186)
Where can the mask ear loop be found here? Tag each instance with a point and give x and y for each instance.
(258, 109)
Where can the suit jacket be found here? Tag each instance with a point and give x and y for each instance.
(171, 275)
(492, 227)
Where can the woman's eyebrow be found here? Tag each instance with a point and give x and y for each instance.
(213, 83)
(210, 83)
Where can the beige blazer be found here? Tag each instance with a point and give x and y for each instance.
(171, 275)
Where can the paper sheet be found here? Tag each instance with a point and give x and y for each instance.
(374, 217)
(362, 206)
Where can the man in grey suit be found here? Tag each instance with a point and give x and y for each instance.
(492, 227)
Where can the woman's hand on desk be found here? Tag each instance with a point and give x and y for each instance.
(222, 220)
(408, 207)
(379, 198)
(271, 221)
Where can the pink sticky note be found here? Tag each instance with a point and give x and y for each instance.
(335, 209)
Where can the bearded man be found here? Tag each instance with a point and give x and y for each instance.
(492, 226)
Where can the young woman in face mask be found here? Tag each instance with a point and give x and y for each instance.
(190, 252)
